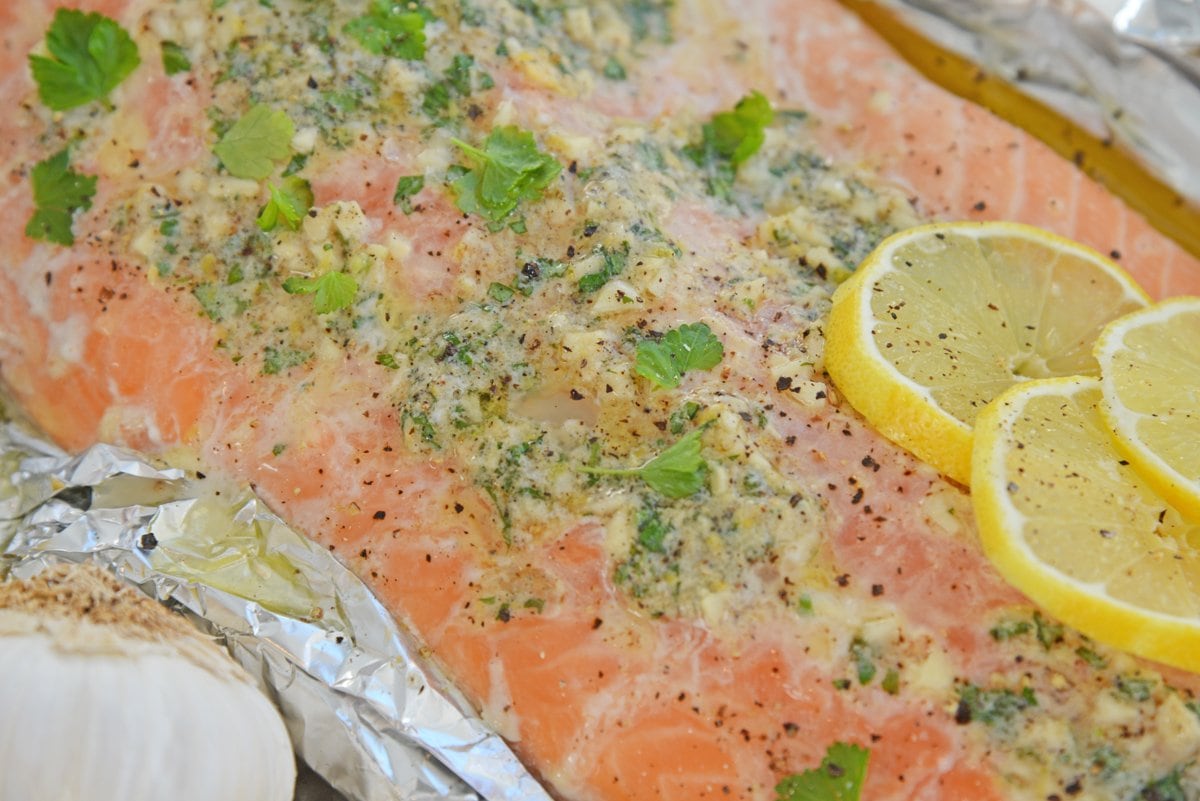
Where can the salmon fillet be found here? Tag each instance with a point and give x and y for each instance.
(820, 586)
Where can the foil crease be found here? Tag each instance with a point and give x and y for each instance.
(365, 712)
(1124, 70)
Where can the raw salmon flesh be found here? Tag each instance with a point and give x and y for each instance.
(424, 367)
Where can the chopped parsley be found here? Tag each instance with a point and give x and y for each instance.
(277, 360)
(92, 54)
(839, 778)
(507, 170)
(174, 59)
(613, 264)
(677, 472)
(332, 291)
(652, 530)
(991, 706)
(729, 139)
(391, 29)
(501, 293)
(690, 347)
(289, 202)
(1135, 688)
(253, 145)
(864, 660)
(407, 187)
(59, 193)
(614, 70)
(1168, 788)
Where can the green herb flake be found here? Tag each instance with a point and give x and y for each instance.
(804, 604)
(864, 660)
(428, 432)
(690, 347)
(58, 193)
(1135, 688)
(289, 202)
(992, 706)
(1092, 658)
(507, 170)
(677, 472)
(1168, 788)
(407, 187)
(1049, 633)
(536, 604)
(174, 59)
(387, 360)
(839, 778)
(613, 265)
(680, 417)
(332, 291)
(277, 360)
(652, 530)
(92, 54)
(613, 70)
(390, 29)
(891, 682)
(1008, 629)
(252, 146)
(501, 293)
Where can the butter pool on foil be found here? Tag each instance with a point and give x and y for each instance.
(364, 711)
(1125, 69)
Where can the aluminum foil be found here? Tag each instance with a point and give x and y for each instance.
(1128, 70)
(363, 710)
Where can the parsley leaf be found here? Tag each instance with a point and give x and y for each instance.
(390, 29)
(737, 135)
(508, 169)
(839, 778)
(690, 347)
(91, 55)
(407, 187)
(729, 139)
(289, 202)
(260, 138)
(677, 472)
(174, 59)
(58, 192)
(332, 291)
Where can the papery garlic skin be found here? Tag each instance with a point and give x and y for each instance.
(89, 713)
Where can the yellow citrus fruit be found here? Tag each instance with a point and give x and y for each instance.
(1071, 524)
(1150, 377)
(942, 318)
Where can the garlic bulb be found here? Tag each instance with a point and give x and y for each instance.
(104, 694)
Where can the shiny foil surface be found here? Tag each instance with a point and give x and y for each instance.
(365, 712)
(1125, 70)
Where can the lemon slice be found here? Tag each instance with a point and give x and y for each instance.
(1150, 376)
(940, 319)
(1069, 523)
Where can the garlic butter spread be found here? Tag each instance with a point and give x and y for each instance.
(525, 275)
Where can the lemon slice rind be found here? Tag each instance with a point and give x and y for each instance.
(905, 409)
(1129, 375)
(1171, 636)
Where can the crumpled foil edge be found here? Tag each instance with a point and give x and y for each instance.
(365, 711)
(1127, 70)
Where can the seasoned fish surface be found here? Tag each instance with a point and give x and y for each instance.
(518, 307)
